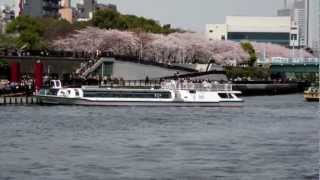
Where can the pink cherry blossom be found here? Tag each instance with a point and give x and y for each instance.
(172, 48)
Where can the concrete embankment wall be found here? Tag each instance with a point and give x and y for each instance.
(20, 100)
(268, 89)
(134, 71)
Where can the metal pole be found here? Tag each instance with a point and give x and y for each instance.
(141, 50)
(102, 72)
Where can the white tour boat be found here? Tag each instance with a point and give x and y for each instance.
(167, 94)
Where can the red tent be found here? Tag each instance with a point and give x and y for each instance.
(38, 75)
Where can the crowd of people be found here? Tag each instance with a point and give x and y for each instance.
(47, 53)
(24, 87)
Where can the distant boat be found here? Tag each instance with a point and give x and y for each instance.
(168, 94)
(312, 94)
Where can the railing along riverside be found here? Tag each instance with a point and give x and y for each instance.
(291, 61)
(204, 86)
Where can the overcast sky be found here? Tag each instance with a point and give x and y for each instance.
(192, 14)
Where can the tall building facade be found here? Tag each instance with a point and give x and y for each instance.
(286, 11)
(298, 10)
(66, 11)
(314, 25)
(39, 8)
(300, 18)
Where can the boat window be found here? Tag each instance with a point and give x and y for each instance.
(128, 94)
(223, 95)
(77, 92)
(58, 83)
(52, 84)
(192, 92)
(53, 91)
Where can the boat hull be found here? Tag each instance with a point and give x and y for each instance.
(54, 100)
(312, 96)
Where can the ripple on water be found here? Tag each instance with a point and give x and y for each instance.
(272, 137)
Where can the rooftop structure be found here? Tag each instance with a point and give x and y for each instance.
(286, 11)
(86, 9)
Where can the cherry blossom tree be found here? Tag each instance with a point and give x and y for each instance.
(172, 48)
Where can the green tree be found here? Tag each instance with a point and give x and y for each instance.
(247, 46)
(8, 41)
(109, 19)
(53, 28)
(29, 30)
(36, 33)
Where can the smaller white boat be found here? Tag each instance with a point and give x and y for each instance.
(312, 94)
(170, 93)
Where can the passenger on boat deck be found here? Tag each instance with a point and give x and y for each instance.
(206, 84)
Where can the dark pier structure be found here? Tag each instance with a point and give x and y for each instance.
(51, 65)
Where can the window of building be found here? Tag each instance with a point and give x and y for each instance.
(294, 37)
(211, 31)
(276, 38)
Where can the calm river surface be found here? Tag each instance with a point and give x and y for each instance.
(273, 137)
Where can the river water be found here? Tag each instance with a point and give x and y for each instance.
(270, 137)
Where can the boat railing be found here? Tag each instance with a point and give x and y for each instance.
(132, 84)
(171, 85)
(204, 86)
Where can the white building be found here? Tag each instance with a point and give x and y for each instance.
(277, 30)
(7, 14)
(301, 19)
